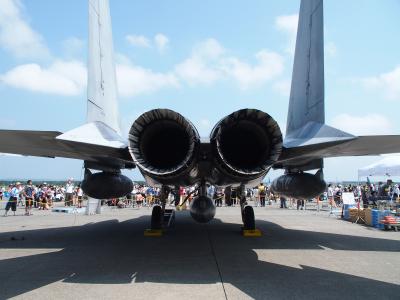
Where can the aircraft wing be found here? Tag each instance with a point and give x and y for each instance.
(298, 156)
(46, 144)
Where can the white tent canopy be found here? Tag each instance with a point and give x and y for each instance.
(388, 166)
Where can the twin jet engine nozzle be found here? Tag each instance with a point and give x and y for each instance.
(166, 147)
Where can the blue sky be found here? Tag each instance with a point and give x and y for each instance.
(204, 59)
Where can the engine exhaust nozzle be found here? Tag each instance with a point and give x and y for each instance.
(163, 143)
(246, 143)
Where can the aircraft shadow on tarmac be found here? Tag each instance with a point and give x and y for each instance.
(113, 252)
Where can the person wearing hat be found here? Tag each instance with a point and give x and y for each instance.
(12, 202)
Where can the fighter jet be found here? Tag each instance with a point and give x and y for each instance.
(167, 149)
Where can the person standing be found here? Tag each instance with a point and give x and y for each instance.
(233, 196)
(79, 193)
(69, 192)
(29, 194)
(175, 193)
(20, 195)
(331, 196)
(12, 202)
(255, 197)
(50, 196)
(395, 192)
(300, 204)
(228, 194)
(182, 194)
(283, 202)
(262, 193)
(218, 197)
(211, 193)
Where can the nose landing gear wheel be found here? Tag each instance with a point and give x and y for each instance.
(249, 222)
(157, 217)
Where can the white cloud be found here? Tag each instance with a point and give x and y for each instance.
(161, 42)
(66, 78)
(121, 59)
(135, 80)
(195, 70)
(269, 65)
(282, 87)
(209, 49)
(363, 125)
(61, 77)
(138, 41)
(16, 35)
(288, 25)
(330, 49)
(387, 84)
(73, 46)
(208, 63)
(69, 78)
(203, 66)
(211, 62)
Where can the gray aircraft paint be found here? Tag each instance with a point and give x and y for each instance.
(307, 89)
(100, 145)
(102, 103)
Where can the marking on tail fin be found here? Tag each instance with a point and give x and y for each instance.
(102, 102)
(306, 102)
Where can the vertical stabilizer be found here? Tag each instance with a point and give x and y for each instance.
(306, 102)
(102, 104)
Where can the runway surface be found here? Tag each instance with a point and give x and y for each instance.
(301, 255)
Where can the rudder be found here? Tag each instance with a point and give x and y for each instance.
(102, 102)
(306, 102)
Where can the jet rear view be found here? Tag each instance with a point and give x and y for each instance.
(168, 151)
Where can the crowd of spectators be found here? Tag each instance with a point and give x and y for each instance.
(368, 194)
(42, 196)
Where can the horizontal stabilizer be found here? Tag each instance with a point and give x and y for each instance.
(48, 144)
(298, 157)
(315, 133)
(96, 133)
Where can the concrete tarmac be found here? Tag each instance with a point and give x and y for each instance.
(301, 255)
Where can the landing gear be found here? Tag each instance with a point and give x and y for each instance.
(157, 217)
(160, 215)
(249, 222)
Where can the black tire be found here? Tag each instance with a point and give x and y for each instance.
(248, 218)
(156, 217)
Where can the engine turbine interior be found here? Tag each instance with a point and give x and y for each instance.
(246, 144)
(163, 144)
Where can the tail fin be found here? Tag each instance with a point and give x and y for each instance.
(306, 102)
(102, 103)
